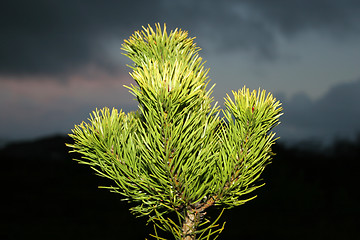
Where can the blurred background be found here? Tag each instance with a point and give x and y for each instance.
(59, 60)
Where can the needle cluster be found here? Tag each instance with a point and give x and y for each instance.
(176, 156)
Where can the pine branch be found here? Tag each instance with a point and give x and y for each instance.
(176, 157)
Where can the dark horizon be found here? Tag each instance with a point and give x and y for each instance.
(308, 194)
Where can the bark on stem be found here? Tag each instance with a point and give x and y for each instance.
(189, 225)
(193, 215)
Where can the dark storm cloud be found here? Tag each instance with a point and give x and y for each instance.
(293, 16)
(53, 37)
(46, 37)
(336, 114)
(253, 24)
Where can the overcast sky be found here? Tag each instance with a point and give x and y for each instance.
(59, 60)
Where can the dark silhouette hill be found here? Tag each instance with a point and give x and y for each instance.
(309, 194)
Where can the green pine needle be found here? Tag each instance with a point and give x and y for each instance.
(176, 154)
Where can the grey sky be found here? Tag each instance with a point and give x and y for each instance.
(60, 59)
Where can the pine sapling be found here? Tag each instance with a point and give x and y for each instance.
(176, 156)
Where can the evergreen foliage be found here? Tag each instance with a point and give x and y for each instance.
(176, 157)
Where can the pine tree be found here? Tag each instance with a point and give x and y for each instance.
(176, 156)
